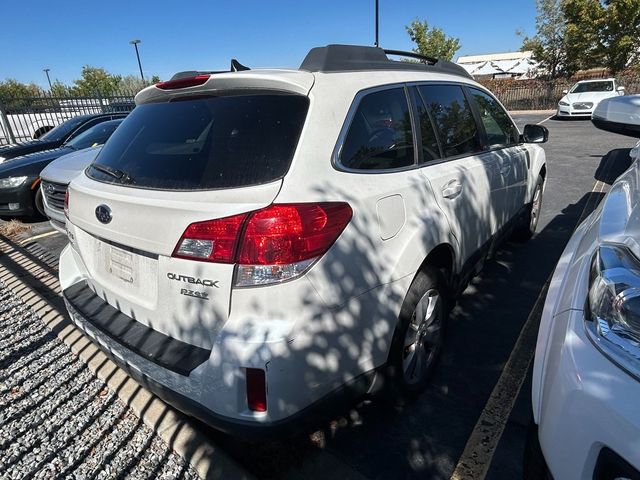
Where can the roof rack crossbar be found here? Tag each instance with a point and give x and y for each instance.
(345, 58)
(417, 56)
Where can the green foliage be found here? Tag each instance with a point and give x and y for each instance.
(602, 34)
(96, 81)
(432, 42)
(11, 88)
(549, 43)
(59, 89)
(155, 79)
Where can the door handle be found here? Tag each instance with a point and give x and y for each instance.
(452, 189)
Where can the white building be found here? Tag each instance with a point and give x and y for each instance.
(500, 65)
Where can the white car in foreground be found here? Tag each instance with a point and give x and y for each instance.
(587, 366)
(252, 245)
(585, 95)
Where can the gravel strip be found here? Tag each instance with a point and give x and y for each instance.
(58, 420)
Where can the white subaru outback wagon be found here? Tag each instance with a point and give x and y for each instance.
(254, 244)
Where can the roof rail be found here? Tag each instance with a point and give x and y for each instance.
(342, 58)
(236, 66)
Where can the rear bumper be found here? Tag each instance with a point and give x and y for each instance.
(304, 382)
(311, 416)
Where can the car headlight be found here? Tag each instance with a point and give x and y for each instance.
(612, 313)
(564, 104)
(12, 182)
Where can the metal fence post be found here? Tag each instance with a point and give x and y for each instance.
(4, 122)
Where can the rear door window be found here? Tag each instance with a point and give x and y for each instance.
(453, 119)
(500, 130)
(204, 143)
(380, 135)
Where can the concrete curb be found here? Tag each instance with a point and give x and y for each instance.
(30, 274)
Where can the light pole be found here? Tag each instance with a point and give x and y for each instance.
(46, 70)
(376, 42)
(135, 45)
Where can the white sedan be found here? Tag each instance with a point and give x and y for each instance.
(586, 374)
(585, 96)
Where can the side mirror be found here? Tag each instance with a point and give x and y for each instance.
(620, 90)
(535, 134)
(565, 91)
(618, 115)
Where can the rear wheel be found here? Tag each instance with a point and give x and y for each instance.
(529, 223)
(420, 333)
(41, 131)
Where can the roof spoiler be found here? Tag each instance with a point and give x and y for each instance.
(236, 66)
(342, 58)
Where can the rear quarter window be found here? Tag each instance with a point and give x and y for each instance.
(204, 143)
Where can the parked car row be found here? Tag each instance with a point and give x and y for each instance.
(20, 167)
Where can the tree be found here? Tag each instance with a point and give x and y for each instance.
(96, 81)
(432, 42)
(602, 33)
(12, 89)
(548, 44)
(59, 89)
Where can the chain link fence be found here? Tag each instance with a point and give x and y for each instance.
(26, 118)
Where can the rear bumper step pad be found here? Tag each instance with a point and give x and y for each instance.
(172, 354)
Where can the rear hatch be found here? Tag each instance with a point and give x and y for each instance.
(170, 165)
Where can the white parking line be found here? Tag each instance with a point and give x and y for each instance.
(481, 446)
(548, 118)
(37, 237)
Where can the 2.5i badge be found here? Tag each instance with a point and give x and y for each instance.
(195, 294)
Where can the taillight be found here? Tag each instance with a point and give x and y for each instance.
(66, 203)
(183, 82)
(211, 241)
(256, 389)
(270, 245)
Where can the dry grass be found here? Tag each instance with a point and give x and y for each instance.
(13, 227)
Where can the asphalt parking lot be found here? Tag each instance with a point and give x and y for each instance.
(472, 404)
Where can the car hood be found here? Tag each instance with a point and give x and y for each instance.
(19, 149)
(27, 163)
(65, 168)
(593, 97)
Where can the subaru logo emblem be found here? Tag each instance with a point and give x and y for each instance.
(103, 214)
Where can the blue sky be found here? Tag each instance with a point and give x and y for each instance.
(65, 35)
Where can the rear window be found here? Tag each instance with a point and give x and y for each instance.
(204, 143)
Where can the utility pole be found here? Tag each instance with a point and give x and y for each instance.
(377, 44)
(46, 70)
(135, 43)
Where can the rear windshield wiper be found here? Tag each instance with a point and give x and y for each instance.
(114, 172)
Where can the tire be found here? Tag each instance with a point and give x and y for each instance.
(39, 204)
(529, 223)
(534, 465)
(41, 131)
(419, 335)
